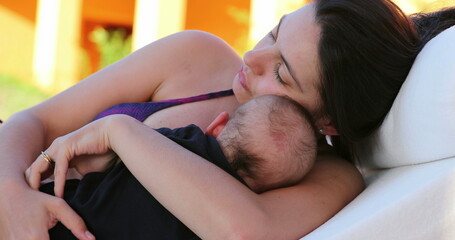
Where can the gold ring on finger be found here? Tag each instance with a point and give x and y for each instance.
(47, 158)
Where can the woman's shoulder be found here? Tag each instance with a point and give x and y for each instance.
(187, 46)
(208, 47)
(190, 41)
(201, 63)
(336, 173)
(200, 37)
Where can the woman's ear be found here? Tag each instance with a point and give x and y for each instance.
(215, 128)
(325, 127)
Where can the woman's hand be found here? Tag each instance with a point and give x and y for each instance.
(91, 139)
(93, 163)
(46, 211)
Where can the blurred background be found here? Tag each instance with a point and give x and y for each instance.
(48, 45)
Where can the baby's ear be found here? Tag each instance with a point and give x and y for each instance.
(215, 128)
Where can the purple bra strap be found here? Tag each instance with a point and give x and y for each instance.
(141, 111)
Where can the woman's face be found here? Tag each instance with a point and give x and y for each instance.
(284, 63)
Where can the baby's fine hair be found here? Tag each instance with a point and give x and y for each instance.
(293, 135)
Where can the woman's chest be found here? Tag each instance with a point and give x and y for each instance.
(200, 113)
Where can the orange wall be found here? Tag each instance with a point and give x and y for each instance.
(24, 8)
(215, 17)
(119, 12)
(227, 19)
(212, 16)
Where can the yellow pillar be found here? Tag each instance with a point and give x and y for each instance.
(154, 19)
(265, 14)
(263, 18)
(55, 62)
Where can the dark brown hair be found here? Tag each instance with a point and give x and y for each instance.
(366, 50)
(429, 25)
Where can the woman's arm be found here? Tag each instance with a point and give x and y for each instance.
(20, 217)
(147, 74)
(215, 205)
(205, 198)
(137, 78)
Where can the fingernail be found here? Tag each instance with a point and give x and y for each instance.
(89, 235)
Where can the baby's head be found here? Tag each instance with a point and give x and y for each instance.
(270, 141)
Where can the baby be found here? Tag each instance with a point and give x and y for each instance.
(269, 142)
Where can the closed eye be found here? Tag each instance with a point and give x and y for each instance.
(277, 75)
(271, 36)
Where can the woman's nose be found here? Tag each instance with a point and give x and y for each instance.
(258, 60)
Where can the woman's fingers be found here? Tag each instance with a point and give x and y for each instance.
(55, 159)
(58, 156)
(32, 178)
(60, 171)
(20, 224)
(68, 217)
(39, 169)
(90, 139)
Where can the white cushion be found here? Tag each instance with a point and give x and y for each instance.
(404, 203)
(412, 195)
(420, 126)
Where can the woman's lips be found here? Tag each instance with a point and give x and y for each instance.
(242, 78)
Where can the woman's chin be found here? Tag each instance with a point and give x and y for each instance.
(241, 95)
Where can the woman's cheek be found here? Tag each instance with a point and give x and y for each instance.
(268, 88)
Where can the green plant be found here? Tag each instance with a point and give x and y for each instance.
(16, 95)
(113, 44)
